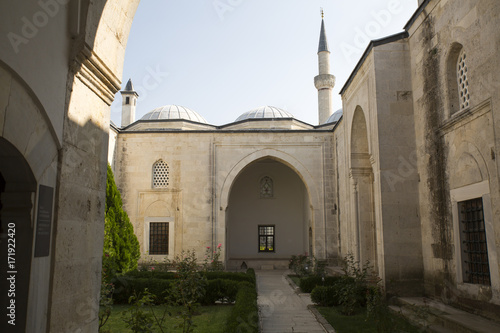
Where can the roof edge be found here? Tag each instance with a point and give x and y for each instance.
(264, 119)
(371, 45)
(166, 120)
(415, 15)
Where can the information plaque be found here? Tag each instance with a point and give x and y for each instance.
(44, 221)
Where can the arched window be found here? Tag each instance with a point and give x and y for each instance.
(463, 82)
(266, 187)
(160, 174)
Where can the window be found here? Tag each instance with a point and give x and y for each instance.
(463, 82)
(127, 100)
(266, 238)
(475, 263)
(160, 174)
(266, 187)
(158, 238)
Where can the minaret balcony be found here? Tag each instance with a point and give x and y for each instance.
(324, 81)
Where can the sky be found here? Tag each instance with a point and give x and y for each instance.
(222, 58)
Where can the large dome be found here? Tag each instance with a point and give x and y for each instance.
(334, 117)
(169, 112)
(265, 112)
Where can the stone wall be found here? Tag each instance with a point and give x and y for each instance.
(456, 148)
(203, 167)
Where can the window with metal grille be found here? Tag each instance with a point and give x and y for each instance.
(160, 174)
(266, 238)
(463, 82)
(266, 187)
(158, 238)
(475, 263)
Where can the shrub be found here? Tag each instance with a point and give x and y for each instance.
(326, 295)
(239, 277)
(301, 265)
(151, 275)
(125, 288)
(121, 247)
(244, 316)
(251, 273)
(220, 290)
(307, 284)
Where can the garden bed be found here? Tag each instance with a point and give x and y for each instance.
(360, 322)
(208, 319)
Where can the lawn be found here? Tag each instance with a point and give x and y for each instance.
(211, 319)
(295, 279)
(360, 323)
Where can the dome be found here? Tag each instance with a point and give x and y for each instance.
(334, 117)
(265, 112)
(169, 112)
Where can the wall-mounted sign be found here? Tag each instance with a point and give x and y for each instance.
(43, 221)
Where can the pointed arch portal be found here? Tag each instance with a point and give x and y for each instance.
(265, 230)
(362, 191)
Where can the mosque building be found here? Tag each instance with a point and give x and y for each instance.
(257, 185)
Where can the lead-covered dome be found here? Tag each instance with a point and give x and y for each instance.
(265, 112)
(334, 117)
(170, 112)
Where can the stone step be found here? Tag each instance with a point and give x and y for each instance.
(438, 317)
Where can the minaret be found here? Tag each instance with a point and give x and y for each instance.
(129, 102)
(325, 81)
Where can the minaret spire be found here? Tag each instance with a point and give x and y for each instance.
(325, 81)
(129, 102)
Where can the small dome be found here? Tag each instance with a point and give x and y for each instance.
(268, 112)
(334, 117)
(169, 112)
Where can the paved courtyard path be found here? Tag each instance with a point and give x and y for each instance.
(280, 308)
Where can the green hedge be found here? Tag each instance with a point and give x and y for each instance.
(343, 291)
(220, 290)
(244, 316)
(309, 283)
(126, 287)
(326, 296)
(221, 286)
(248, 277)
(233, 276)
(151, 275)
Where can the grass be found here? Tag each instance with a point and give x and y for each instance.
(360, 323)
(295, 279)
(211, 319)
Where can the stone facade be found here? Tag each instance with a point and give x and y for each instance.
(203, 166)
(424, 150)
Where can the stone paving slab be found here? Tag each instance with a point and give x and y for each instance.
(280, 308)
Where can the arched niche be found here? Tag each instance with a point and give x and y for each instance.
(362, 191)
(17, 193)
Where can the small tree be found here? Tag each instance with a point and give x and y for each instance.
(121, 247)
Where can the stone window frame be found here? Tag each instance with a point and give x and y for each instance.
(273, 235)
(463, 81)
(473, 191)
(473, 238)
(455, 60)
(171, 236)
(162, 180)
(266, 180)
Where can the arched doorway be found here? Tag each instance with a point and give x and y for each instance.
(362, 191)
(267, 216)
(17, 189)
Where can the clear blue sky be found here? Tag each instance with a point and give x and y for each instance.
(224, 57)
